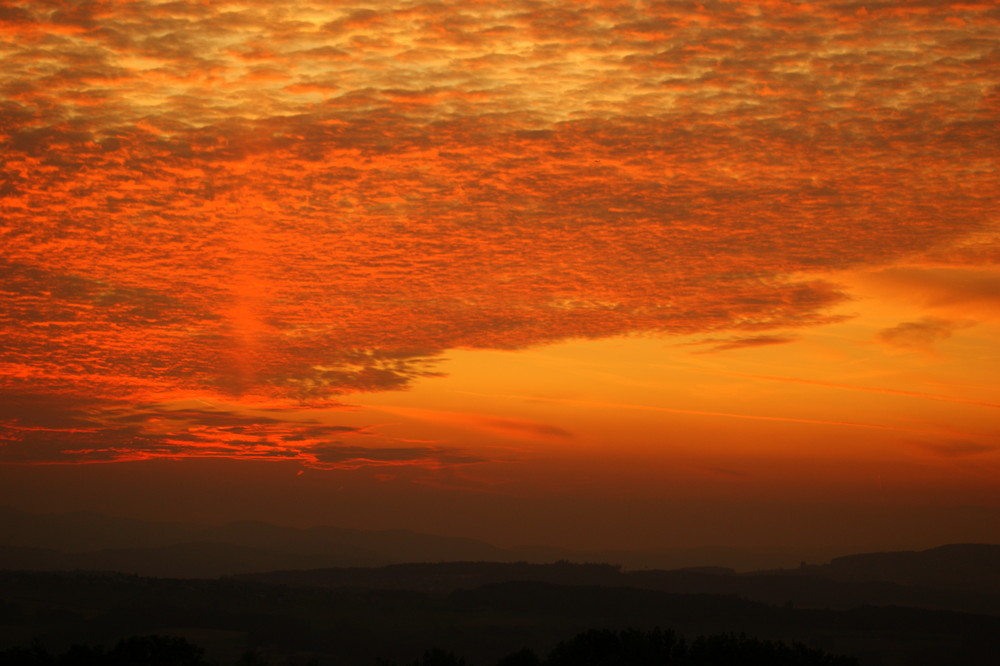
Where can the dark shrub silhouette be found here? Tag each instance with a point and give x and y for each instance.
(524, 657)
(156, 651)
(630, 647)
(252, 658)
(134, 651)
(438, 657)
(731, 649)
(36, 655)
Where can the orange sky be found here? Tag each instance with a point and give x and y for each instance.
(666, 272)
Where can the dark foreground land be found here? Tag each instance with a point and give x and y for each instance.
(629, 647)
(484, 614)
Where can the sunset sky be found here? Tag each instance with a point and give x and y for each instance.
(589, 273)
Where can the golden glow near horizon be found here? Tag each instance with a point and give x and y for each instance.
(675, 249)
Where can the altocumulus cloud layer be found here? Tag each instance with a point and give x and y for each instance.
(281, 203)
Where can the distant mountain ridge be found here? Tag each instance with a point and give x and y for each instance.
(955, 576)
(959, 566)
(802, 587)
(88, 540)
(95, 541)
(356, 625)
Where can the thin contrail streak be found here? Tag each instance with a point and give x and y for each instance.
(698, 412)
(851, 387)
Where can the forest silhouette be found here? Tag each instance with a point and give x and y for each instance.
(481, 614)
(595, 647)
(91, 589)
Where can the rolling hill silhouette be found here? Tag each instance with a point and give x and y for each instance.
(973, 567)
(93, 541)
(357, 626)
(345, 596)
(88, 540)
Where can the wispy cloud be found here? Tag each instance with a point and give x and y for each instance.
(954, 448)
(730, 344)
(520, 428)
(922, 334)
(352, 457)
(973, 290)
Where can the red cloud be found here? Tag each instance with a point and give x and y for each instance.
(179, 216)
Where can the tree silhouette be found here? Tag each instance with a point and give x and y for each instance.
(439, 657)
(134, 651)
(605, 647)
(252, 658)
(632, 647)
(523, 657)
(729, 648)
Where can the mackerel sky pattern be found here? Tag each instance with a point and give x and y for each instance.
(285, 203)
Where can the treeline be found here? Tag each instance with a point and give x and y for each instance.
(134, 651)
(597, 647)
(658, 647)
